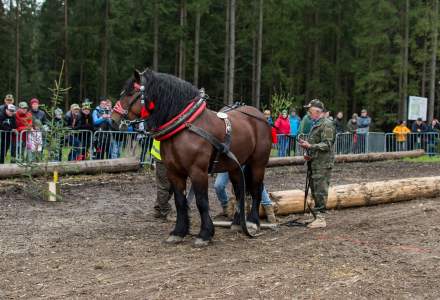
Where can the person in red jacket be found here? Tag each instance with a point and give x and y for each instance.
(282, 125)
(23, 121)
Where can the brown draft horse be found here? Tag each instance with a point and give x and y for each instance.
(186, 154)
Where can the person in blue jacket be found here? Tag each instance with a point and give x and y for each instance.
(295, 122)
(102, 123)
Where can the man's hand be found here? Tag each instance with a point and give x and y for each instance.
(304, 144)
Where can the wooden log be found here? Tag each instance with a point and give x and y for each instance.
(76, 167)
(227, 224)
(364, 194)
(367, 157)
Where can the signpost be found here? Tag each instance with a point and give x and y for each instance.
(417, 108)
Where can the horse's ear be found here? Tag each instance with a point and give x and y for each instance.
(137, 76)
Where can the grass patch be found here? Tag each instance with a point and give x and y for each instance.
(424, 159)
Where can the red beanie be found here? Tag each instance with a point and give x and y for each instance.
(34, 100)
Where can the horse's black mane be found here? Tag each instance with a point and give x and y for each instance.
(170, 94)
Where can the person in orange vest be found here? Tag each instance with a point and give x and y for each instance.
(401, 134)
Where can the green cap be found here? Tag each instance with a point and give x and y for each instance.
(315, 103)
(23, 104)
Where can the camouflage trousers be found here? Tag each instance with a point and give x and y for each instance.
(319, 185)
(164, 193)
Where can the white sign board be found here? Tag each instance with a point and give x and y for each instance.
(417, 108)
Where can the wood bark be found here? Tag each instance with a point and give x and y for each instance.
(259, 55)
(77, 167)
(364, 194)
(231, 52)
(346, 158)
(66, 53)
(17, 50)
(156, 36)
(105, 49)
(197, 47)
(432, 85)
(226, 61)
(182, 42)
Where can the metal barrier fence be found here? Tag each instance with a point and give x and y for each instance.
(8, 147)
(72, 145)
(428, 141)
(86, 145)
(349, 143)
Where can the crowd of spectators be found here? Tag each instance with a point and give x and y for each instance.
(353, 133)
(24, 128)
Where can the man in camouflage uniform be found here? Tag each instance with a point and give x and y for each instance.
(321, 154)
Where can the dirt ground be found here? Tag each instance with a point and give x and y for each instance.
(101, 241)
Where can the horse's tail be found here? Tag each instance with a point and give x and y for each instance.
(247, 171)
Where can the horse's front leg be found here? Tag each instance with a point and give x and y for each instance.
(182, 223)
(200, 185)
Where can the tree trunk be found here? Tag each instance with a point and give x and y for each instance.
(346, 158)
(370, 193)
(156, 36)
(423, 87)
(81, 80)
(105, 50)
(197, 47)
(117, 165)
(17, 50)
(182, 43)
(66, 53)
(316, 57)
(231, 53)
(226, 62)
(432, 84)
(259, 55)
(403, 100)
(254, 63)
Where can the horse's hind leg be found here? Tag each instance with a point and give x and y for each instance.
(200, 185)
(254, 183)
(182, 224)
(236, 177)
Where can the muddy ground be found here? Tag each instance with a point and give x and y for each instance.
(101, 241)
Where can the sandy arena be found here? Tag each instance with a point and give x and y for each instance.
(102, 241)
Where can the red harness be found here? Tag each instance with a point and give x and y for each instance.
(191, 119)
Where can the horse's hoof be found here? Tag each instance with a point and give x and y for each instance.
(252, 228)
(236, 228)
(174, 239)
(200, 243)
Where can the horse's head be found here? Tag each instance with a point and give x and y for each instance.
(153, 97)
(132, 103)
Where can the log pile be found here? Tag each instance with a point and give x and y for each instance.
(364, 194)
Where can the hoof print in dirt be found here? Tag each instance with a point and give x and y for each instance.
(200, 243)
(174, 239)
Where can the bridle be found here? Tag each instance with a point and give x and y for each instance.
(146, 109)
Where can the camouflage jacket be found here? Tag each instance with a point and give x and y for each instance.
(322, 138)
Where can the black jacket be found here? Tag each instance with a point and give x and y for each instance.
(7, 123)
(74, 123)
(86, 122)
(39, 115)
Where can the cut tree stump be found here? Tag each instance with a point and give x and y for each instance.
(364, 194)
